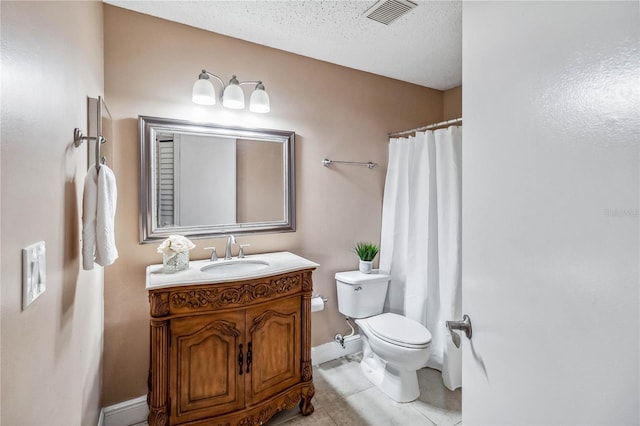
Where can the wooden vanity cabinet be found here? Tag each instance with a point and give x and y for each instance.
(230, 353)
(203, 374)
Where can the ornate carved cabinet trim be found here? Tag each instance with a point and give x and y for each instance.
(229, 295)
(159, 304)
(244, 311)
(307, 287)
(158, 377)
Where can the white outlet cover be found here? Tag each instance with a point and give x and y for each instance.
(34, 281)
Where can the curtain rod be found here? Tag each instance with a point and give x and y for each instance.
(428, 127)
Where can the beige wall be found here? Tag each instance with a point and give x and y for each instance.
(336, 112)
(260, 177)
(452, 103)
(52, 59)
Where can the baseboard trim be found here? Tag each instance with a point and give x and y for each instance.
(125, 413)
(333, 350)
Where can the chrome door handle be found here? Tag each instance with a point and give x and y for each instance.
(464, 325)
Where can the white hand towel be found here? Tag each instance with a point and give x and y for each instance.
(89, 206)
(106, 251)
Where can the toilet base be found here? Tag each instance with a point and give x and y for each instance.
(398, 384)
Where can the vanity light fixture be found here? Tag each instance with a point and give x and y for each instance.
(232, 95)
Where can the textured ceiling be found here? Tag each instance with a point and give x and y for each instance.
(422, 47)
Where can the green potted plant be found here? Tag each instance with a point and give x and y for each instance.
(366, 252)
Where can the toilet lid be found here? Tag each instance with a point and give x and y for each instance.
(399, 330)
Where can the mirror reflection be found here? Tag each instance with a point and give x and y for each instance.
(203, 180)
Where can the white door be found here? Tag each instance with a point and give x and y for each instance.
(550, 212)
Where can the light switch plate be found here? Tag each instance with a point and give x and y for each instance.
(33, 272)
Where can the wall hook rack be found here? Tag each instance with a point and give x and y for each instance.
(79, 137)
(97, 111)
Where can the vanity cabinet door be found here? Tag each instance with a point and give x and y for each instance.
(274, 343)
(205, 374)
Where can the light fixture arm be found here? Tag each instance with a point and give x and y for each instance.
(251, 82)
(206, 74)
(234, 80)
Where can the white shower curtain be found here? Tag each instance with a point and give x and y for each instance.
(421, 235)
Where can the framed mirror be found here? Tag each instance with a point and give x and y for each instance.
(204, 180)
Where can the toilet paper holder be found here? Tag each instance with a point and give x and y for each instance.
(324, 299)
(318, 302)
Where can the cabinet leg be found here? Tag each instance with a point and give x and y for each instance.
(158, 418)
(306, 407)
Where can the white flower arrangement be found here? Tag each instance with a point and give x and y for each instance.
(175, 244)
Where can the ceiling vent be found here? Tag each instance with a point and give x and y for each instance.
(387, 11)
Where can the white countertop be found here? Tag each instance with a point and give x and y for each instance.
(279, 263)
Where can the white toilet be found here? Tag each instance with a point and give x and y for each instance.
(394, 346)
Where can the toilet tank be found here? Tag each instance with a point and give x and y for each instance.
(361, 295)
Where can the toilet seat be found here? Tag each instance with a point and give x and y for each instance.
(398, 330)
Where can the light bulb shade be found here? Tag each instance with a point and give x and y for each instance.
(233, 97)
(259, 101)
(203, 92)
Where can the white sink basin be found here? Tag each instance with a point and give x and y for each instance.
(236, 266)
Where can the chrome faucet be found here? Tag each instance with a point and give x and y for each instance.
(227, 252)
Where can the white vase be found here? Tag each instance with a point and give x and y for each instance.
(174, 262)
(366, 266)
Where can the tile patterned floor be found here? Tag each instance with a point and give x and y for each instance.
(344, 397)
